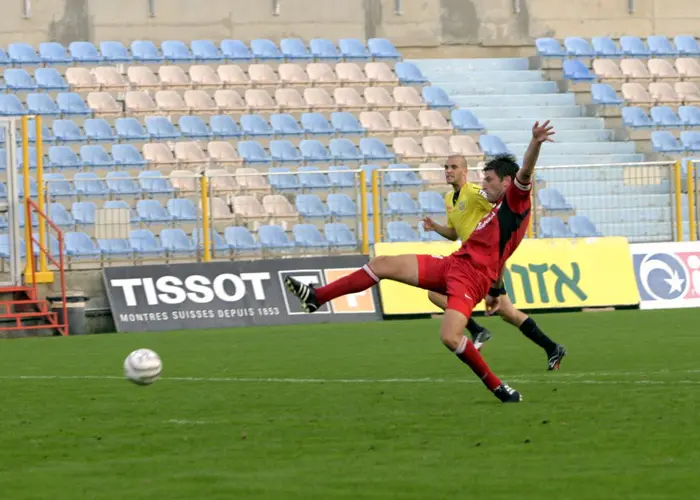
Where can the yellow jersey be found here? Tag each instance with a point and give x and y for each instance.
(464, 213)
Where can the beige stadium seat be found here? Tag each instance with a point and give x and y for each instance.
(661, 69)
(378, 73)
(465, 146)
(248, 207)
(184, 181)
(408, 149)
(169, 101)
(138, 102)
(433, 121)
(347, 99)
(293, 75)
(404, 122)
(436, 174)
(350, 74)
(634, 93)
(173, 77)
(259, 100)
(689, 69)
(204, 77)
(634, 69)
(81, 80)
(222, 181)
(688, 91)
(408, 98)
(319, 100)
(278, 206)
(200, 102)
(663, 94)
(375, 122)
(321, 75)
(436, 146)
(188, 153)
(229, 100)
(290, 100)
(141, 77)
(158, 154)
(103, 104)
(109, 78)
(232, 75)
(476, 175)
(219, 209)
(379, 98)
(607, 70)
(223, 153)
(262, 75)
(250, 179)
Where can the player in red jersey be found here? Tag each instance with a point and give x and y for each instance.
(466, 276)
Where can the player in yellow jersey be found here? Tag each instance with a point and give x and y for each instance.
(466, 205)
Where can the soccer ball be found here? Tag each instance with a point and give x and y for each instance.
(142, 367)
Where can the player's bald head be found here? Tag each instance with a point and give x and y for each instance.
(458, 160)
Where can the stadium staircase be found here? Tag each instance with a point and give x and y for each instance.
(21, 309)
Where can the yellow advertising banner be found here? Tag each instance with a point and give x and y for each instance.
(541, 274)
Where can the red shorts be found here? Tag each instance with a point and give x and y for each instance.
(456, 277)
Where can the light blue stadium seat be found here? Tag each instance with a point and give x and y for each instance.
(284, 152)
(216, 240)
(604, 46)
(88, 184)
(5, 246)
(339, 235)
(182, 209)
(492, 145)
(549, 47)
(21, 54)
(664, 117)
(129, 129)
(42, 104)
(464, 120)
(315, 124)
(94, 156)
(373, 149)
(145, 51)
(312, 151)
(660, 46)
(63, 157)
(18, 80)
(293, 49)
(115, 246)
(285, 125)
(690, 141)
(429, 235)
(343, 150)
(98, 130)
(252, 152)
(205, 51)
(57, 186)
(604, 94)
(310, 205)
(635, 117)
(346, 123)
(59, 215)
(71, 103)
(690, 115)
(582, 227)
(32, 157)
(437, 98)
(152, 211)
(340, 205)
(236, 51)
(123, 205)
(578, 47)
(176, 241)
(274, 237)
(4, 59)
(126, 155)
(160, 128)
(193, 127)
(284, 180)
(265, 50)
(324, 50)
(409, 74)
(308, 236)
(353, 49)
(256, 126)
(399, 203)
(368, 169)
(175, 51)
(53, 249)
(633, 46)
(54, 53)
(84, 212)
(22, 220)
(80, 245)
(552, 199)
(312, 178)
(84, 53)
(553, 227)
(143, 241)
(49, 79)
(121, 183)
(340, 176)
(663, 141)
(398, 176)
(223, 127)
(575, 71)
(154, 182)
(3, 191)
(10, 105)
(383, 49)
(240, 239)
(431, 202)
(687, 45)
(115, 53)
(400, 231)
(67, 131)
(46, 134)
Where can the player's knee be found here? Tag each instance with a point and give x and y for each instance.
(381, 266)
(512, 316)
(451, 339)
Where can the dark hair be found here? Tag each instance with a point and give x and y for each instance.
(504, 165)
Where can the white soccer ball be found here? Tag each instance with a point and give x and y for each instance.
(143, 367)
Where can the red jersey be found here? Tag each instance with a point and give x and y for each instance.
(499, 233)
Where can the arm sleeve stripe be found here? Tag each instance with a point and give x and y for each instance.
(521, 186)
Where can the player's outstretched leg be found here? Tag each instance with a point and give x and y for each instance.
(453, 324)
(478, 333)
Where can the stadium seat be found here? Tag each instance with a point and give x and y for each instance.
(175, 241)
(143, 241)
(4, 60)
(240, 239)
(145, 51)
(352, 49)
(170, 102)
(340, 176)
(21, 54)
(383, 49)
(173, 77)
(340, 205)
(62, 157)
(368, 170)
(232, 76)
(437, 146)
(691, 141)
(578, 47)
(84, 212)
(405, 98)
(282, 179)
(129, 129)
(688, 92)
(262, 75)
(283, 151)
(604, 46)
(575, 71)
(339, 235)
(274, 237)
(407, 149)
(293, 49)
(67, 131)
(664, 116)
(308, 236)
(256, 126)
(18, 80)
(660, 46)
(553, 227)
(94, 156)
(431, 202)
(312, 178)
(182, 209)
(608, 70)
(42, 104)
(48, 79)
(10, 105)
(193, 127)
(54, 53)
(582, 227)
(252, 152)
(278, 206)
(400, 175)
(126, 155)
(142, 78)
(400, 231)
(34, 221)
(375, 123)
(80, 245)
(464, 120)
(223, 127)
(635, 69)
(216, 240)
(84, 52)
(432, 121)
(373, 149)
(32, 185)
(688, 68)
(319, 100)
(88, 184)
(260, 100)
(492, 145)
(635, 117)
(551, 199)
(463, 145)
(400, 203)
(409, 74)
(139, 103)
(290, 100)
(97, 130)
(633, 46)
(662, 93)
(121, 183)
(154, 182)
(200, 103)
(437, 98)
(661, 69)
(265, 50)
(663, 141)
(59, 215)
(687, 45)
(229, 100)
(175, 52)
(285, 125)
(315, 124)
(109, 79)
(152, 211)
(235, 51)
(321, 74)
(115, 53)
(103, 104)
(348, 99)
(293, 75)
(403, 122)
(633, 93)
(378, 73)
(323, 50)
(549, 48)
(223, 153)
(160, 128)
(46, 133)
(690, 115)
(604, 94)
(311, 206)
(343, 150)
(72, 104)
(350, 74)
(346, 124)
(115, 247)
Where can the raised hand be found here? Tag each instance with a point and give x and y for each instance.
(428, 224)
(543, 133)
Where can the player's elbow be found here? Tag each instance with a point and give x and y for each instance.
(453, 235)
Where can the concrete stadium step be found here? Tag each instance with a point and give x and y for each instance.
(580, 148)
(554, 176)
(562, 136)
(488, 76)
(604, 188)
(529, 112)
(559, 160)
(433, 67)
(560, 124)
(468, 89)
(649, 214)
(469, 101)
(588, 204)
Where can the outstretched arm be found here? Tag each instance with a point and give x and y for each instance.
(445, 231)
(540, 134)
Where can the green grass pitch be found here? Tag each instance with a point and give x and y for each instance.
(375, 411)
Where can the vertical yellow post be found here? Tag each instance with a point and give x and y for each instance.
(691, 199)
(206, 237)
(28, 268)
(364, 212)
(376, 193)
(43, 267)
(679, 205)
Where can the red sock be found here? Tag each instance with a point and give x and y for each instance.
(359, 281)
(471, 357)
